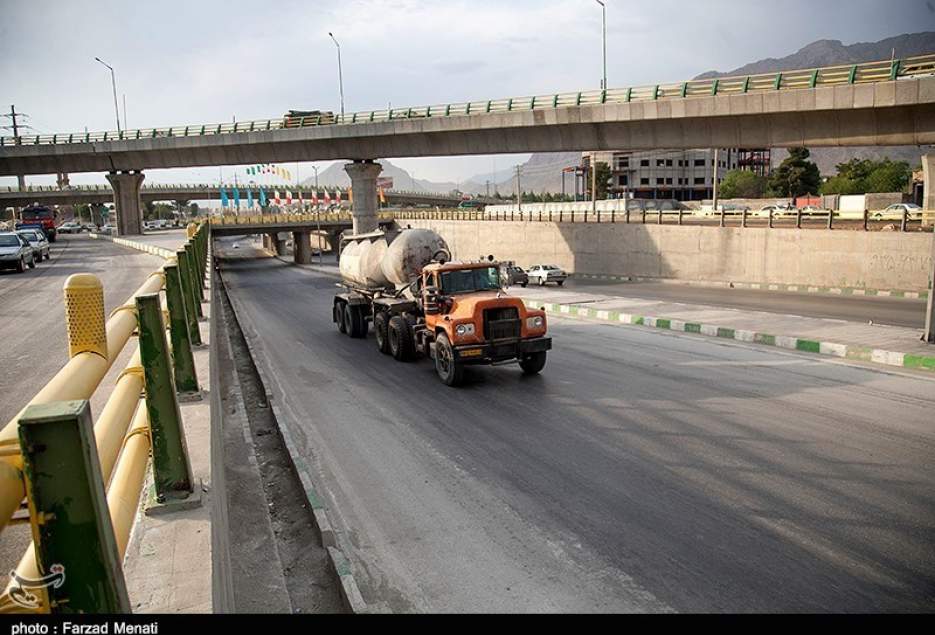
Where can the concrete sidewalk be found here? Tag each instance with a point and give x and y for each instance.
(890, 345)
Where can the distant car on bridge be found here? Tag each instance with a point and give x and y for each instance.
(301, 118)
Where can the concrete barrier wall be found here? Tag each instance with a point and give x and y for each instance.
(869, 260)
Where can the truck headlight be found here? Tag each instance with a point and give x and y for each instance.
(463, 330)
(536, 322)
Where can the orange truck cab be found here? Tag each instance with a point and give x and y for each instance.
(455, 313)
(469, 319)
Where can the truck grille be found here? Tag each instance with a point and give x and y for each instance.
(501, 323)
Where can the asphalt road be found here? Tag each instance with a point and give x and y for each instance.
(34, 343)
(642, 471)
(880, 310)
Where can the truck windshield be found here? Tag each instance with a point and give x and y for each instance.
(467, 280)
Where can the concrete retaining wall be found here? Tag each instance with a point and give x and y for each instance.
(862, 260)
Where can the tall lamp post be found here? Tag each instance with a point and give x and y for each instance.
(604, 41)
(340, 73)
(113, 83)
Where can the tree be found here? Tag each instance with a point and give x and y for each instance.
(862, 176)
(193, 209)
(602, 177)
(742, 184)
(180, 206)
(796, 175)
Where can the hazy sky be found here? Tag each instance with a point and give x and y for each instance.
(202, 61)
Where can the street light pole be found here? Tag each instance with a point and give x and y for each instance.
(113, 83)
(340, 73)
(604, 41)
(315, 167)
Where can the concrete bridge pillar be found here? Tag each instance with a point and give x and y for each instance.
(364, 185)
(126, 186)
(302, 248)
(279, 243)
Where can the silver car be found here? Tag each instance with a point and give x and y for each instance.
(38, 242)
(15, 252)
(542, 274)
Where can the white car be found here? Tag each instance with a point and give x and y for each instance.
(895, 212)
(542, 274)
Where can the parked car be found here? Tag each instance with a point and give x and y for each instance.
(546, 273)
(895, 212)
(70, 227)
(513, 274)
(15, 252)
(39, 243)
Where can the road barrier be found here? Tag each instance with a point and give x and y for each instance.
(870, 72)
(82, 481)
(825, 219)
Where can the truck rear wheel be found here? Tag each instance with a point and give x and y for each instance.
(400, 339)
(381, 331)
(354, 322)
(448, 369)
(532, 363)
(339, 316)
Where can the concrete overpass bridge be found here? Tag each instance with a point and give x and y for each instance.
(275, 229)
(53, 195)
(891, 102)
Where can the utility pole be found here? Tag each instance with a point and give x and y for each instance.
(593, 167)
(487, 188)
(15, 127)
(929, 335)
(519, 192)
(714, 180)
(604, 41)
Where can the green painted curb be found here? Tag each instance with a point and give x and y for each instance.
(834, 349)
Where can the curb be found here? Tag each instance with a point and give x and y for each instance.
(350, 591)
(763, 286)
(132, 244)
(859, 353)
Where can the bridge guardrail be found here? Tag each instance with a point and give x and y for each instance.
(83, 485)
(827, 218)
(869, 72)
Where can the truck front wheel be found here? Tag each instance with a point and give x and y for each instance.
(532, 363)
(448, 369)
(400, 339)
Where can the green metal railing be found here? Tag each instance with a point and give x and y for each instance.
(870, 72)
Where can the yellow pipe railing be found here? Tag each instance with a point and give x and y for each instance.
(122, 433)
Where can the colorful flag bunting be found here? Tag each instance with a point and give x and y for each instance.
(224, 201)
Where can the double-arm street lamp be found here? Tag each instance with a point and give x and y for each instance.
(113, 82)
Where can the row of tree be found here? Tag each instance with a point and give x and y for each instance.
(797, 175)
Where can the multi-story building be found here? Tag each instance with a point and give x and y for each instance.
(684, 175)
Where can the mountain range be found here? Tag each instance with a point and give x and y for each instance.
(542, 172)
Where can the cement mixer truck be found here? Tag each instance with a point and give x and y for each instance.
(419, 302)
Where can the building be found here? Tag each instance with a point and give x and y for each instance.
(683, 175)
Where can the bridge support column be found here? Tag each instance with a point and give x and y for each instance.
(302, 248)
(279, 243)
(364, 186)
(126, 187)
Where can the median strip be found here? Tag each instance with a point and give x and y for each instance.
(858, 353)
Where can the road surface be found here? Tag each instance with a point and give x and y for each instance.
(880, 310)
(642, 471)
(32, 322)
